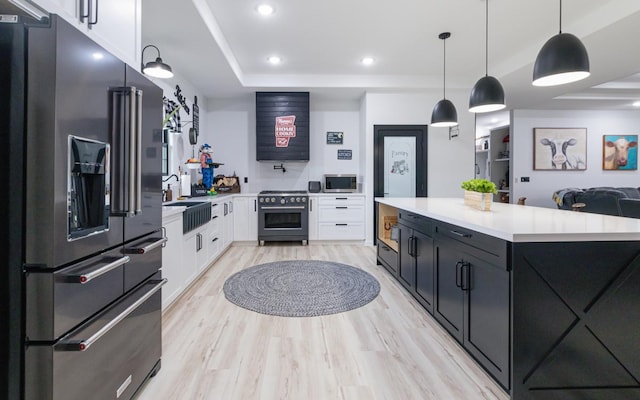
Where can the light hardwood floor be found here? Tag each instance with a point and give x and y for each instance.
(389, 349)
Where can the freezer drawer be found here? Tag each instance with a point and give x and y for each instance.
(58, 302)
(146, 258)
(109, 357)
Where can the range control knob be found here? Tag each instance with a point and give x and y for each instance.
(292, 200)
(273, 199)
(304, 199)
(282, 200)
(298, 199)
(261, 200)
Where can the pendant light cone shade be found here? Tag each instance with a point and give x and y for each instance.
(563, 59)
(157, 68)
(487, 95)
(444, 112)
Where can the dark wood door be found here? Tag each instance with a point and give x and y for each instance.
(449, 297)
(424, 270)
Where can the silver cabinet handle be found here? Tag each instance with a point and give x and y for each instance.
(86, 278)
(282, 208)
(148, 248)
(84, 344)
(464, 235)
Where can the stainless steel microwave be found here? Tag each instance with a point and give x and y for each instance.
(340, 183)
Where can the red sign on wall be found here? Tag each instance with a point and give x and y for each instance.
(285, 129)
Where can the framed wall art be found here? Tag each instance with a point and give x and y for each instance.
(560, 149)
(619, 152)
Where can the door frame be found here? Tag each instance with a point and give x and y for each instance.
(420, 132)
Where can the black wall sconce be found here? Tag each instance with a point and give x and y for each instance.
(157, 68)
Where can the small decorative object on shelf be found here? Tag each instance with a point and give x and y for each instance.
(478, 193)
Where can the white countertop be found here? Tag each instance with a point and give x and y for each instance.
(517, 223)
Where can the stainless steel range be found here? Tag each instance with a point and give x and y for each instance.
(283, 216)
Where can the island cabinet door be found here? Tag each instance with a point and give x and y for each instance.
(449, 298)
(424, 270)
(407, 267)
(486, 312)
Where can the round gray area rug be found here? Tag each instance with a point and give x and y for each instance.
(301, 288)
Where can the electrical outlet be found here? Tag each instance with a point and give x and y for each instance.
(524, 179)
(246, 179)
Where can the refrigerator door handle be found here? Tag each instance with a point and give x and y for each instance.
(148, 248)
(86, 278)
(138, 98)
(133, 153)
(84, 344)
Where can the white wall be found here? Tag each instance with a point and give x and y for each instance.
(543, 183)
(449, 161)
(232, 134)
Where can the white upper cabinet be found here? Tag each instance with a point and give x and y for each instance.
(114, 24)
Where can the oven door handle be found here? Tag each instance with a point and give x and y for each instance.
(86, 278)
(146, 249)
(282, 208)
(84, 344)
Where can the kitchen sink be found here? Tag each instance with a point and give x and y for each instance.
(197, 213)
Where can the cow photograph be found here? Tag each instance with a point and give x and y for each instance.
(619, 152)
(560, 149)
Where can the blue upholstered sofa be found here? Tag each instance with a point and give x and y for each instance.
(620, 201)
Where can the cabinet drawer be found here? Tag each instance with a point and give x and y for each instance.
(388, 256)
(341, 231)
(341, 213)
(216, 208)
(341, 201)
(493, 249)
(415, 221)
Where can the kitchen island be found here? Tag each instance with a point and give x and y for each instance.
(547, 301)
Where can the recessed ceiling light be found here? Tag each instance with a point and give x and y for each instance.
(636, 103)
(97, 56)
(265, 9)
(274, 59)
(367, 61)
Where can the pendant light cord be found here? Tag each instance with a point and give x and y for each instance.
(560, 16)
(444, 69)
(486, 41)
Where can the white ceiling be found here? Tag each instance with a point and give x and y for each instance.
(221, 47)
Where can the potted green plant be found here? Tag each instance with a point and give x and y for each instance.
(478, 193)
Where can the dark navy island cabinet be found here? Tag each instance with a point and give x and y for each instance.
(548, 320)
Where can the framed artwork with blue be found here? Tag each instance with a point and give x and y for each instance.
(619, 152)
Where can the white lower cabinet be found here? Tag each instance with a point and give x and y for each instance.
(227, 217)
(245, 218)
(313, 217)
(340, 217)
(172, 261)
(215, 231)
(202, 248)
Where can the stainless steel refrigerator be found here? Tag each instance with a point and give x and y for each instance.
(83, 144)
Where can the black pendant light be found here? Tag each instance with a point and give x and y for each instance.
(157, 68)
(487, 94)
(563, 59)
(444, 112)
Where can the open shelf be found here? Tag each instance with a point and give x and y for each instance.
(387, 217)
(501, 159)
